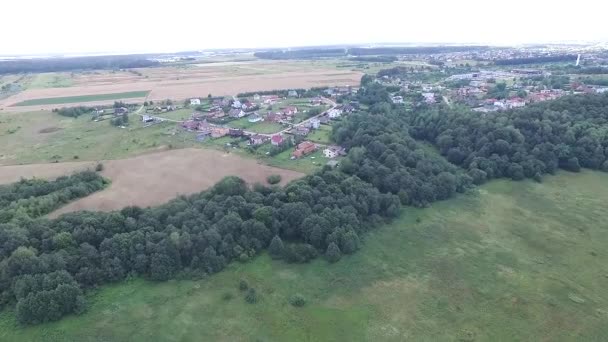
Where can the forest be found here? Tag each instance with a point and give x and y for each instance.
(74, 63)
(395, 157)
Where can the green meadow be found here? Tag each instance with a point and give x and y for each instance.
(82, 98)
(510, 261)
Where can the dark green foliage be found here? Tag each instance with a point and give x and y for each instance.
(297, 300)
(251, 296)
(243, 285)
(333, 253)
(99, 167)
(227, 296)
(276, 248)
(73, 111)
(299, 253)
(273, 179)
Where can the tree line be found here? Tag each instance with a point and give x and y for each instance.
(75, 63)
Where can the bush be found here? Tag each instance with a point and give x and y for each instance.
(251, 297)
(99, 167)
(274, 179)
(227, 296)
(243, 285)
(297, 300)
(333, 253)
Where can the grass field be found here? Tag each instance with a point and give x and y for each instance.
(39, 137)
(82, 98)
(258, 127)
(320, 135)
(50, 80)
(180, 114)
(513, 261)
(307, 164)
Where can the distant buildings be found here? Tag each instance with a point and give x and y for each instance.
(195, 102)
(303, 148)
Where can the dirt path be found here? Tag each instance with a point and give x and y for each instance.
(153, 178)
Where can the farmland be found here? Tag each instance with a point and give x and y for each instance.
(181, 82)
(82, 98)
(510, 261)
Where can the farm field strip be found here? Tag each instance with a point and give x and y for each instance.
(82, 98)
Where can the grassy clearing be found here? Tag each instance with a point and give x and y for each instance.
(50, 80)
(258, 127)
(69, 137)
(320, 135)
(514, 261)
(180, 114)
(307, 164)
(82, 98)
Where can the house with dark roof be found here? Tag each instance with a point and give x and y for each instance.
(257, 139)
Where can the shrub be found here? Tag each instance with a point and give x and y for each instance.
(251, 297)
(333, 252)
(99, 167)
(273, 179)
(243, 285)
(297, 300)
(227, 296)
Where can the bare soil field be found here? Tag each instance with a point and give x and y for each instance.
(182, 82)
(153, 178)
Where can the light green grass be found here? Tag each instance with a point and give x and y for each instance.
(307, 164)
(82, 98)
(257, 127)
(50, 80)
(320, 135)
(498, 264)
(180, 114)
(80, 137)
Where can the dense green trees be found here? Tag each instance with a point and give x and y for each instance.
(568, 133)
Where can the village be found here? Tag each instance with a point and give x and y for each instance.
(289, 125)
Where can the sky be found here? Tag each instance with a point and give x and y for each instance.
(89, 26)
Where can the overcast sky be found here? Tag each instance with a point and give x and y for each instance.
(68, 26)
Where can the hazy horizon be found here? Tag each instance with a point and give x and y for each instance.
(68, 27)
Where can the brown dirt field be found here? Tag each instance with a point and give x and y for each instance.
(179, 83)
(153, 178)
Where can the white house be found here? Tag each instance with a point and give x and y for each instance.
(256, 97)
(332, 151)
(254, 118)
(334, 113)
(237, 104)
(195, 102)
(292, 93)
(315, 123)
(397, 99)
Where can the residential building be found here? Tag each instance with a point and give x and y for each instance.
(249, 106)
(290, 110)
(303, 149)
(270, 99)
(317, 101)
(515, 102)
(257, 139)
(276, 139)
(218, 132)
(121, 110)
(397, 99)
(315, 123)
(429, 97)
(237, 113)
(255, 118)
(237, 104)
(324, 119)
(333, 151)
(292, 93)
(256, 97)
(301, 130)
(195, 102)
(147, 118)
(334, 113)
(234, 132)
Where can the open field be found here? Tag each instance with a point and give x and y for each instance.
(514, 261)
(186, 81)
(153, 178)
(320, 135)
(82, 98)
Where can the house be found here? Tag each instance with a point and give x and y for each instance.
(303, 149)
(147, 118)
(270, 99)
(292, 93)
(121, 110)
(333, 151)
(324, 119)
(301, 130)
(204, 126)
(290, 110)
(234, 132)
(397, 99)
(334, 113)
(515, 102)
(236, 113)
(429, 97)
(348, 109)
(276, 140)
(317, 101)
(195, 102)
(254, 118)
(190, 125)
(274, 117)
(218, 132)
(256, 139)
(237, 104)
(249, 106)
(315, 123)
(197, 116)
(256, 97)
(216, 114)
